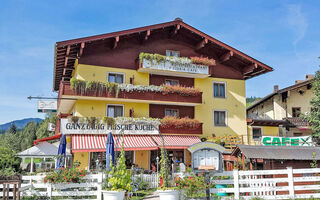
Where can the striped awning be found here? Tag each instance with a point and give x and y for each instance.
(176, 141)
(97, 143)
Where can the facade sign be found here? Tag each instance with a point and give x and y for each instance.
(45, 106)
(176, 67)
(287, 141)
(206, 156)
(69, 127)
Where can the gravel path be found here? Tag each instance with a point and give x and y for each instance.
(153, 196)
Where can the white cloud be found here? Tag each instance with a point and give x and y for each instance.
(297, 21)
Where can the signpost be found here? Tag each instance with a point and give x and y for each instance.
(207, 157)
(286, 141)
(46, 106)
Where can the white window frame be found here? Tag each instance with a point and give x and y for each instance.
(165, 110)
(171, 80)
(225, 89)
(115, 105)
(120, 73)
(225, 118)
(173, 51)
(261, 128)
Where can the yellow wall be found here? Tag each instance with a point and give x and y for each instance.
(81, 157)
(93, 108)
(97, 73)
(142, 159)
(297, 100)
(234, 104)
(266, 131)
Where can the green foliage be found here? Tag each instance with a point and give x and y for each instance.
(9, 163)
(42, 130)
(66, 175)
(314, 163)
(29, 135)
(110, 121)
(119, 178)
(313, 117)
(12, 129)
(193, 185)
(164, 171)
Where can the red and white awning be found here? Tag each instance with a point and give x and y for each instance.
(176, 141)
(96, 143)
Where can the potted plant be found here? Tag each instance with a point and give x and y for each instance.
(118, 180)
(166, 190)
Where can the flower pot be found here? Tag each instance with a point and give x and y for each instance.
(113, 195)
(220, 194)
(182, 194)
(168, 194)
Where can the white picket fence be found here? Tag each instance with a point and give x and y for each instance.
(34, 185)
(270, 184)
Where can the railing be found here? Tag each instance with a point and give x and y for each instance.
(139, 96)
(183, 130)
(34, 185)
(271, 184)
(267, 184)
(230, 142)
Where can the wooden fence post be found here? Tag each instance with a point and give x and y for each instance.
(236, 184)
(290, 182)
(99, 186)
(49, 190)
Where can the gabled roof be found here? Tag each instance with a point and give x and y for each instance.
(67, 51)
(278, 152)
(43, 149)
(292, 87)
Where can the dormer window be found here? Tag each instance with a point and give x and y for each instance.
(172, 53)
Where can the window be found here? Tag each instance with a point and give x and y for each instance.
(114, 111)
(172, 82)
(256, 133)
(296, 112)
(172, 112)
(115, 77)
(219, 90)
(220, 118)
(172, 53)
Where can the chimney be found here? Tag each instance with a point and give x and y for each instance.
(309, 76)
(275, 88)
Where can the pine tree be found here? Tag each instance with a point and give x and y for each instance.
(313, 117)
(12, 129)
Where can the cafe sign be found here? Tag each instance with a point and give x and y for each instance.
(69, 127)
(286, 141)
(207, 156)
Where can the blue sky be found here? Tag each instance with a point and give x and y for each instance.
(282, 34)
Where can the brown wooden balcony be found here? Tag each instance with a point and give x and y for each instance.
(134, 96)
(183, 130)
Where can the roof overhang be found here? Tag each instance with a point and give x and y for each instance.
(66, 52)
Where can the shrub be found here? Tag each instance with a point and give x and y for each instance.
(66, 175)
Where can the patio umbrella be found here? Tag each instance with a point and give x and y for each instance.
(61, 152)
(109, 149)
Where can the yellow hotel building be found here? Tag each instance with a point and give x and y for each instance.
(169, 79)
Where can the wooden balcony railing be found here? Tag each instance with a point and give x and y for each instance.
(65, 89)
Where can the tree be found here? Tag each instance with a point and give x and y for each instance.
(313, 117)
(12, 129)
(42, 131)
(29, 135)
(8, 161)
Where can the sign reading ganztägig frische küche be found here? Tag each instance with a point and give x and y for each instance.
(69, 127)
(286, 141)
